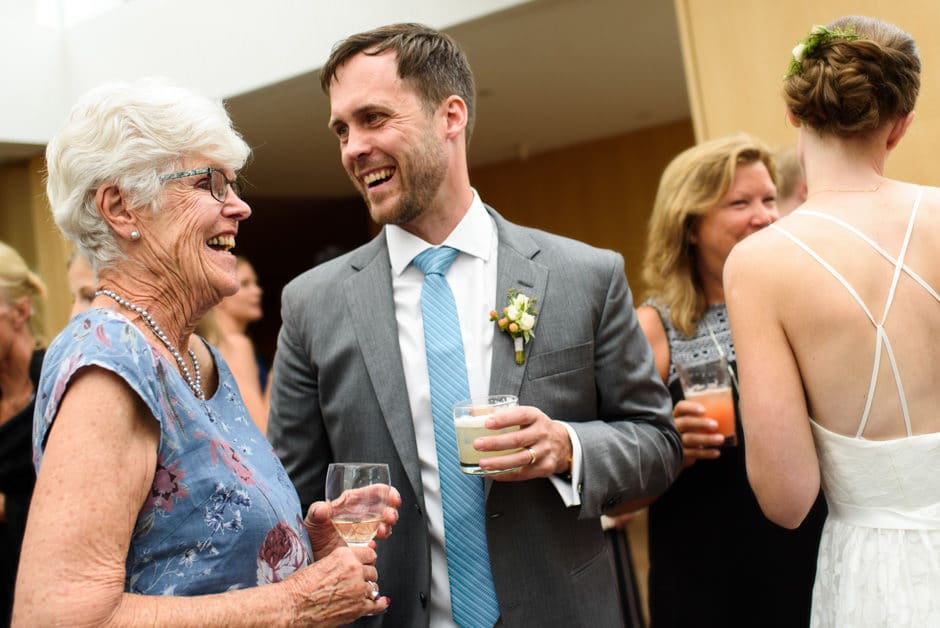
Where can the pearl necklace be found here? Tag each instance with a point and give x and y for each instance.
(195, 385)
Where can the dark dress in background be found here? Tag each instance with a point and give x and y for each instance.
(17, 478)
(715, 560)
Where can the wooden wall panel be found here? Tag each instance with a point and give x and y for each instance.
(736, 52)
(600, 192)
(26, 224)
(54, 251)
(16, 222)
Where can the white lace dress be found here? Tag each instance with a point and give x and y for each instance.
(879, 557)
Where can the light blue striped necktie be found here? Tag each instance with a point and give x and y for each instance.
(473, 596)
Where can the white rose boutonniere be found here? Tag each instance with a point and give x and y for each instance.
(517, 320)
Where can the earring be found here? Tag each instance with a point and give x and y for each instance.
(135, 235)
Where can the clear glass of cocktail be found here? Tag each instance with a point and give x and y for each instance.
(358, 495)
(708, 382)
(470, 423)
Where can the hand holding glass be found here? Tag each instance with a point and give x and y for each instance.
(358, 494)
(709, 383)
(469, 423)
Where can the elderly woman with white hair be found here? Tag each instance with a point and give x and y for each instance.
(157, 499)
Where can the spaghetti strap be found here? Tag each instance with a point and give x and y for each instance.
(874, 245)
(829, 267)
(900, 262)
(882, 342)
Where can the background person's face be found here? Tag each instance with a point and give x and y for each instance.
(245, 305)
(81, 280)
(748, 206)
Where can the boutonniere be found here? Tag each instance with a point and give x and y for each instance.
(517, 320)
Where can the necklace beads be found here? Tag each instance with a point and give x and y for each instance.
(194, 383)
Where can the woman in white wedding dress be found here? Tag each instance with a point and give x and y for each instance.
(836, 319)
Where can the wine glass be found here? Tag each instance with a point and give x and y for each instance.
(358, 494)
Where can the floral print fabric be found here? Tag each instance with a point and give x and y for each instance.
(222, 513)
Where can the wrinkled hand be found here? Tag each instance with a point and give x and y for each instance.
(337, 589)
(698, 440)
(323, 536)
(547, 439)
(391, 515)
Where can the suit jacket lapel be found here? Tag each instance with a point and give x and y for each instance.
(515, 269)
(372, 313)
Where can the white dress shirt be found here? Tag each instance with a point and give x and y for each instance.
(472, 278)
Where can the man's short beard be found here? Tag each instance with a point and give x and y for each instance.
(429, 169)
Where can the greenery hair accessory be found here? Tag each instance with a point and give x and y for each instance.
(817, 36)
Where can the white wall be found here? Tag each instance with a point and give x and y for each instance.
(220, 47)
(33, 85)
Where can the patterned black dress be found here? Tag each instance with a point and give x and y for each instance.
(715, 560)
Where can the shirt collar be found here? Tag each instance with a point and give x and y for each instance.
(473, 235)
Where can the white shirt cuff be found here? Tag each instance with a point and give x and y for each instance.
(570, 490)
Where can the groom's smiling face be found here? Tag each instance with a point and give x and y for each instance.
(390, 146)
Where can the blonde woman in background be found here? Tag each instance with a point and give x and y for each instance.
(21, 355)
(715, 560)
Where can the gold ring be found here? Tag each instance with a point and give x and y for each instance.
(531, 456)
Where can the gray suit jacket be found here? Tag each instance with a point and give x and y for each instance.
(339, 395)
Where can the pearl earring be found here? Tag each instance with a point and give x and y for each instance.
(135, 235)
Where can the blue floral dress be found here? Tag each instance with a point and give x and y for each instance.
(222, 513)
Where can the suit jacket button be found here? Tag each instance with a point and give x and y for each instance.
(423, 599)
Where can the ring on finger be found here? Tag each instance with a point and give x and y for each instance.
(532, 456)
(374, 593)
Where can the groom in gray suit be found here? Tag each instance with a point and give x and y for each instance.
(352, 379)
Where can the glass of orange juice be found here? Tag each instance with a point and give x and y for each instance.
(708, 382)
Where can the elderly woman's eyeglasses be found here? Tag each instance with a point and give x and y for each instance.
(218, 182)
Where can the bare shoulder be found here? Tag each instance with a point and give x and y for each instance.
(103, 417)
(930, 203)
(655, 332)
(753, 254)
(236, 343)
(652, 325)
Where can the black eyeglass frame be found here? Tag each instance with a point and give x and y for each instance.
(210, 170)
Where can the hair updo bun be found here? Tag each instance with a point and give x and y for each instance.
(849, 86)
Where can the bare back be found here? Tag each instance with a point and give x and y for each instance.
(863, 324)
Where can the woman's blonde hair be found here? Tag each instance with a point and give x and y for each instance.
(18, 281)
(692, 183)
